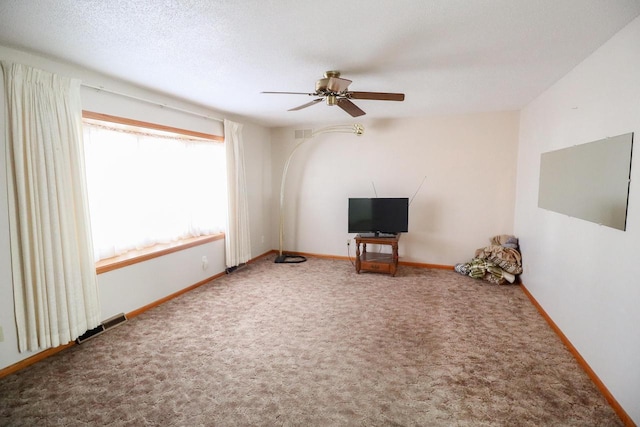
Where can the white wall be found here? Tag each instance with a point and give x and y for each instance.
(584, 275)
(469, 162)
(126, 289)
(135, 286)
(257, 153)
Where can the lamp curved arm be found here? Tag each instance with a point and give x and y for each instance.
(282, 184)
(357, 129)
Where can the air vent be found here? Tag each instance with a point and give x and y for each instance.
(114, 321)
(107, 324)
(302, 133)
(90, 334)
(230, 270)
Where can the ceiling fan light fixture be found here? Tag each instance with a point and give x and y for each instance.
(321, 85)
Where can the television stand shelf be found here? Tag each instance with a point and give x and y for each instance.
(377, 262)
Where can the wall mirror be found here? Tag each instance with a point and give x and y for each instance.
(589, 181)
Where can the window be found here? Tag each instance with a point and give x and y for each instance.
(148, 186)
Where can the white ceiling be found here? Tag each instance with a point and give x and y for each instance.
(447, 56)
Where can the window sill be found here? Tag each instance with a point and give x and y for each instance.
(134, 257)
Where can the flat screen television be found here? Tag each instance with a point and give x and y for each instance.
(378, 216)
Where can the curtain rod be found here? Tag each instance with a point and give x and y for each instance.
(193, 113)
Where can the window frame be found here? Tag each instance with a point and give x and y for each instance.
(137, 256)
(140, 124)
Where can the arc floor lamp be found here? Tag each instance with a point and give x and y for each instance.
(356, 129)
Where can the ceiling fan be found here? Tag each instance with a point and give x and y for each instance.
(333, 89)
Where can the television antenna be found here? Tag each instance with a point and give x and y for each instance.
(412, 197)
(419, 187)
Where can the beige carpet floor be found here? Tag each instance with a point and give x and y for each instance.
(315, 344)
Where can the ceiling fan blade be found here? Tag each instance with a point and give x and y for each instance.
(308, 104)
(291, 93)
(350, 107)
(380, 96)
(337, 84)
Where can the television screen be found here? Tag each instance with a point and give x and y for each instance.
(378, 215)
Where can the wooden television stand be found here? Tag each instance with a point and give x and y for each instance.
(377, 262)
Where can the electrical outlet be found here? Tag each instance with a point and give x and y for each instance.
(348, 242)
(1, 334)
(205, 263)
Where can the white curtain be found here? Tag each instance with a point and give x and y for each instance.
(54, 278)
(237, 239)
(147, 189)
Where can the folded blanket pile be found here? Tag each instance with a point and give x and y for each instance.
(499, 262)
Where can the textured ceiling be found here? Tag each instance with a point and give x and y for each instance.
(447, 56)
